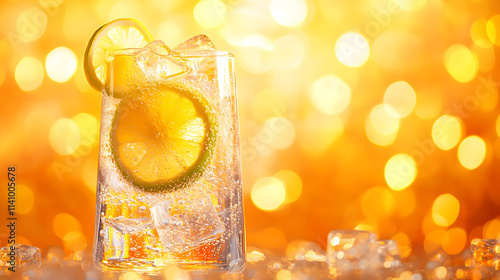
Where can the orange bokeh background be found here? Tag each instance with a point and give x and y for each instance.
(369, 114)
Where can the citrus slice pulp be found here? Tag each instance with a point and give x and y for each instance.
(118, 34)
(162, 142)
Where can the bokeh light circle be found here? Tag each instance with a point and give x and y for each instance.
(25, 199)
(383, 119)
(446, 132)
(268, 193)
(65, 223)
(61, 64)
(289, 13)
(29, 73)
(292, 183)
(279, 132)
(352, 49)
(471, 152)
(460, 63)
(454, 241)
(330, 95)
(400, 171)
(479, 35)
(401, 96)
(209, 13)
(445, 210)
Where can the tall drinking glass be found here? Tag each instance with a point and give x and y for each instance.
(169, 179)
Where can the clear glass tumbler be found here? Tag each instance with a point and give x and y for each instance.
(169, 178)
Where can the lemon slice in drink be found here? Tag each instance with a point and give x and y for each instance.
(163, 138)
(118, 34)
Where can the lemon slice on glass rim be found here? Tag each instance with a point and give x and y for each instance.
(162, 136)
(118, 34)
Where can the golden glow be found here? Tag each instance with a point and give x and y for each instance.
(377, 203)
(266, 104)
(31, 24)
(412, 5)
(268, 193)
(64, 136)
(471, 152)
(289, 13)
(25, 199)
(29, 73)
(460, 63)
(479, 34)
(289, 52)
(75, 241)
(281, 132)
(445, 210)
(292, 183)
(493, 29)
(401, 96)
(126, 9)
(317, 132)
(446, 132)
(330, 95)
(61, 64)
(400, 171)
(64, 223)
(170, 31)
(454, 241)
(405, 202)
(209, 13)
(352, 49)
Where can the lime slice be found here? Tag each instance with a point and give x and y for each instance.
(163, 138)
(118, 34)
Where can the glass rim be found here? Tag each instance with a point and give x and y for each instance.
(181, 54)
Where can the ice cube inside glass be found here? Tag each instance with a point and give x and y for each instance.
(169, 176)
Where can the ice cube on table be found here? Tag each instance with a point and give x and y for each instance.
(184, 224)
(349, 252)
(198, 42)
(20, 256)
(486, 253)
(305, 250)
(387, 254)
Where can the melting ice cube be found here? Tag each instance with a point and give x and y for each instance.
(18, 255)
(349, 250)
(185, 224)
(155, 61)
(198, 42)
(129, 225)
